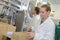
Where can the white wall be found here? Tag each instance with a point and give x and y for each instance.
(56, 8)
(57, 11)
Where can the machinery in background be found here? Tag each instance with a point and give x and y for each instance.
(14, 11)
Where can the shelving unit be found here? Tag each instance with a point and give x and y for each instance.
(9, 4)
(9, 7)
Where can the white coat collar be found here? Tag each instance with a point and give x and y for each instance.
(45, 22)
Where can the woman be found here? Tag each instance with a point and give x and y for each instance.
(36, 18)
(33, 22)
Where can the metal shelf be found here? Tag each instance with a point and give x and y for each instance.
(11, 3)
(4, 0)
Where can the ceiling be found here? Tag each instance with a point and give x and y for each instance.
(52, 1)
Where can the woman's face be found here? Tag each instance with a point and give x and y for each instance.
(43, 13)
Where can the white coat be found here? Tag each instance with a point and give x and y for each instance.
(36, 20)
(45, 31)
(31, 22)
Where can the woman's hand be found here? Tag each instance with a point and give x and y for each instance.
(30, 35)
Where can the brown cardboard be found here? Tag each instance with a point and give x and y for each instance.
(0, 37)
(4, 37)
(3, 20)
(19, 36)
(4, 28)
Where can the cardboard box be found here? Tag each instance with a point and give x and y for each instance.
(4, 28)
(19, 36)
(4, 37)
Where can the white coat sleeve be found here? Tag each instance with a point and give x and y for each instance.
(46, 33)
